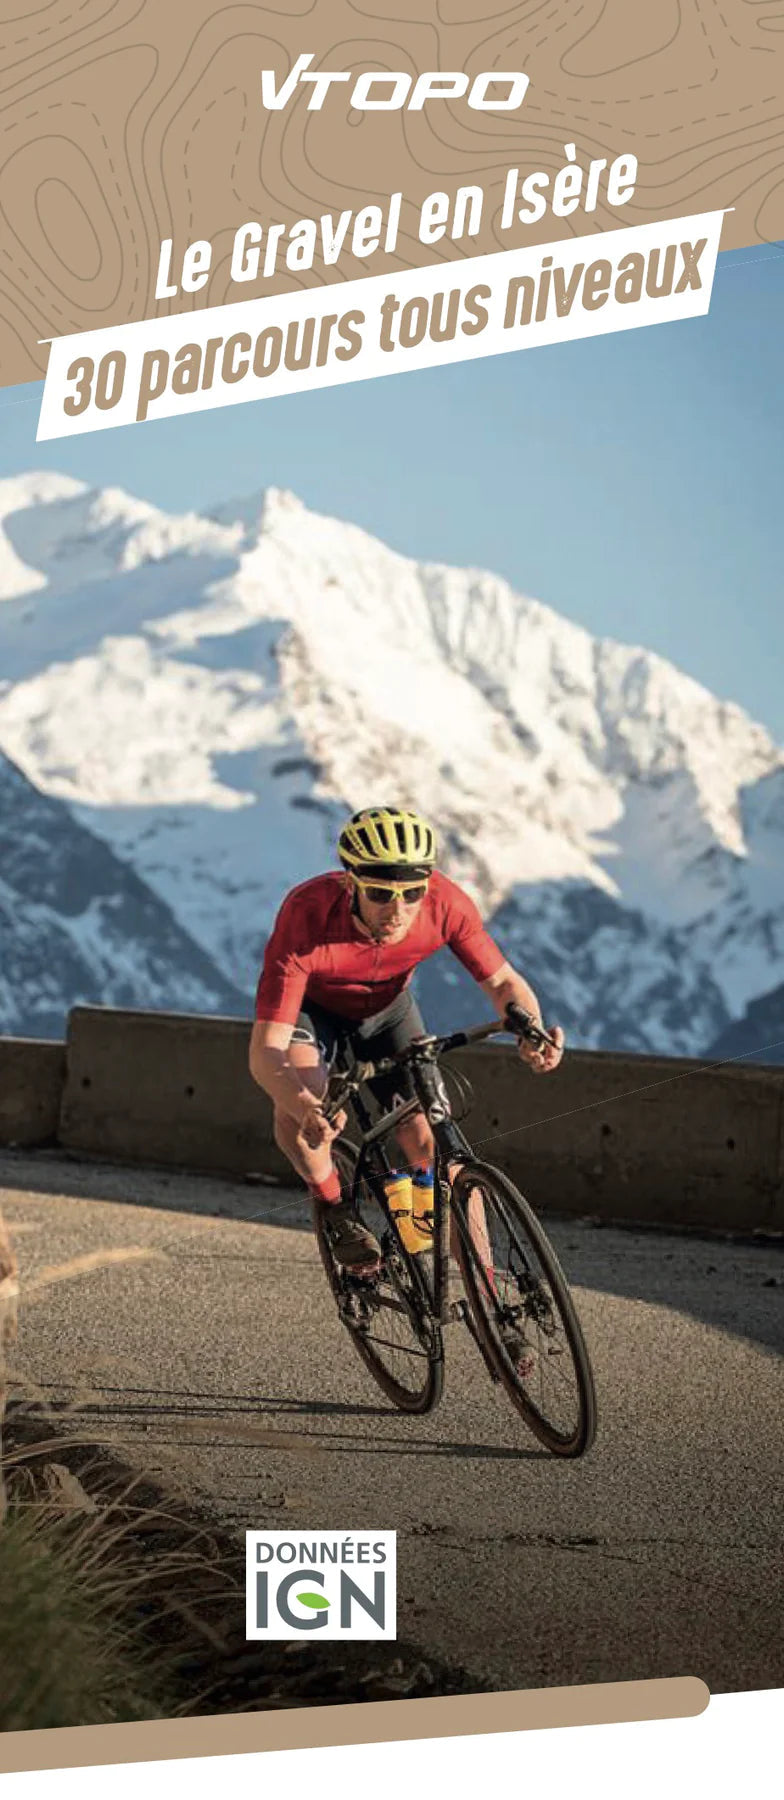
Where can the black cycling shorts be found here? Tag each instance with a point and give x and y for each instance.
(381, 1035)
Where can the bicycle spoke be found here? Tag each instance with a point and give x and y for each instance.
(519, 1290)
(389, 1322)
(561, 1410)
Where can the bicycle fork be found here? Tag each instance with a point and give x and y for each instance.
(451, 1150)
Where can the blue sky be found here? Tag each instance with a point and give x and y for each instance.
(635, 482)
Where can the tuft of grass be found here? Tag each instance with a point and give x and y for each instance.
(68, 1654)
(120, 1601)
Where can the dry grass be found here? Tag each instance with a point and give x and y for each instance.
(86, 1574)
(94, 1624)
(68, 1653)
(121, 1602)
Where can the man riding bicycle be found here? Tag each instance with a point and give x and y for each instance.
(336, 974)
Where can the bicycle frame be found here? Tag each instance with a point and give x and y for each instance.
(450, 1146)
(450, 1149)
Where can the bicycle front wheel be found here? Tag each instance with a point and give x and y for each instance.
(387, 1314)
(523, 1310)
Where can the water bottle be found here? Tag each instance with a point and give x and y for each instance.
(423, 1203)
(399, 1190)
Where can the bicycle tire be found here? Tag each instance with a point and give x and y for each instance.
(392, 1293)
(530, 1304)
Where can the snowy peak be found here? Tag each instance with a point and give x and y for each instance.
(91, 534)
(257, 513)
(20, 494)
(79, 926)
(214, 691)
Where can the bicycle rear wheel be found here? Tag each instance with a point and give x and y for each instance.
(387, 1315)
(520, 1289)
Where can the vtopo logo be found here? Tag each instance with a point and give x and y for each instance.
(387, 90)
(341, 1584)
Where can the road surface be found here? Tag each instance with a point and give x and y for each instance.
(189, 1321)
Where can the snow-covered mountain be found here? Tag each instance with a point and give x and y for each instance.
(210, 693)
(77, 925)
(759, 1033)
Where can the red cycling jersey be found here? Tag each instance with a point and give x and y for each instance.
(317, 952)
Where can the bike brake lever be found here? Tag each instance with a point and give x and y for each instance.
(523, 1026)
(338, 1092)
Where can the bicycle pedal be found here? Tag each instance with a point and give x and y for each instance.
(366, 1273)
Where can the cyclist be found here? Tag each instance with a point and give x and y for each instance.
(336, 972)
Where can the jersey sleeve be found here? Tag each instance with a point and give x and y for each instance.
(469, 941)
(284, 974)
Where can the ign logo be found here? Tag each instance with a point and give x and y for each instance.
(342, 1584)
(388, 90)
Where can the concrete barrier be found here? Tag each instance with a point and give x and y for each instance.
(624, 1138)
(165, 1088)
(636, 1137)
(32, 1075)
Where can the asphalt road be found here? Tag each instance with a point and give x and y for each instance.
(190, 1321)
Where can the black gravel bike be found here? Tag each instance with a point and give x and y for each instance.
(515, 1301)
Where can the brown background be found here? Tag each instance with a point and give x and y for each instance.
(374, 1722)
(127, 121)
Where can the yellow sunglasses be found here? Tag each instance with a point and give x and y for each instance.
(380, 894)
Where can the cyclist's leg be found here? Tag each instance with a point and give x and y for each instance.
(309, 1055)
(316, 1041)
(385, 1034)
(477, 1225)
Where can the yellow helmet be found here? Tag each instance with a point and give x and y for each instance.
(383, 840)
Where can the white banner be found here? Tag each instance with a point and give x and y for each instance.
(380, 325)
(731, 1749)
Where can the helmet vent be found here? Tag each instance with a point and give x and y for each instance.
(387, 837)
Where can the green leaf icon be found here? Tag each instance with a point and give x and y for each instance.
(317, 1601)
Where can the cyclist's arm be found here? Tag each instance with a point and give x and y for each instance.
(288, 1085)
(480, 955)
(472, 944)
(506, 987)
(279, 997)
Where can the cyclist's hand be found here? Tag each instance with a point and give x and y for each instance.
(547, 1056)
(317, 1131)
